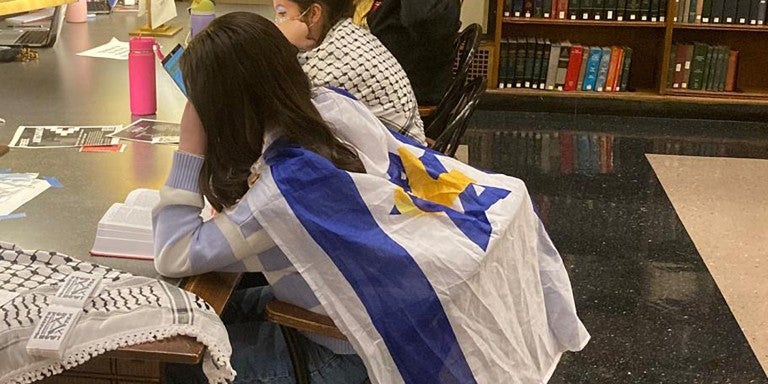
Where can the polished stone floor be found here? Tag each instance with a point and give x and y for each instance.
(656, 293)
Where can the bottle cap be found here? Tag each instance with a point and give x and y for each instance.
(140, 43)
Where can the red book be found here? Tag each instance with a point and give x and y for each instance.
(730, 74)
(614, 68)
(574, 65)
(562, 9)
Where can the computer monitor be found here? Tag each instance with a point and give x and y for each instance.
(11, 7)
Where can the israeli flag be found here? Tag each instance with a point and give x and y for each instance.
(435, 271)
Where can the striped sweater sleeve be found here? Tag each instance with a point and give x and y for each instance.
(186, 245)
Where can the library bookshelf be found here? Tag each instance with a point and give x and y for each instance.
(652, 43)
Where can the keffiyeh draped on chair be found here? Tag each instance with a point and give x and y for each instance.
(128, 310)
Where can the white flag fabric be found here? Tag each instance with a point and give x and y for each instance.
(436, 272)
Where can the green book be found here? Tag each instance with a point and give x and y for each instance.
(696, 77)
(707, 68)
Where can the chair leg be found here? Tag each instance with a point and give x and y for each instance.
(294, 341)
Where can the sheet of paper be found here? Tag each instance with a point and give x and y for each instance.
(150, 131)
(161, 11)
(18, 188)
(114, 49)
(63, 136)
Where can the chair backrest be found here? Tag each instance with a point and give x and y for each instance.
(464, 50)
(448, 141)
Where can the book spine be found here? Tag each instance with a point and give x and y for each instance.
(645, 10)
(706, 11)
(546, 9)
(554, 58)
(625, 70)
(562, 66)
(528, 8)
(574, 9)
(593, 65)
(717, 11)
(633, 10)
(655, 10)
(613, 67)
(544, 65)
(671, 67)
(609, 9)
(530, 56)
(507, 12)
(688, 57)
(697, 66)
(572, 72)
(621, 10)
(707, 68)
(537, 57)
(562, 9)
(730, 8)
(691, 18)
(761, 12)
(602, 71)
(517, 8)
(730, 77)
(753, 10)
(583, 68)
(742, 11)
(520, 63)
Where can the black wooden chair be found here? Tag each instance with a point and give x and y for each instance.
(449, 139)
(465, 48)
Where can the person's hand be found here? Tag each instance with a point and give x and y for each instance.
(297, 33)
(192, 138)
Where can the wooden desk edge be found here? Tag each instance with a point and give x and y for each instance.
(215, 288)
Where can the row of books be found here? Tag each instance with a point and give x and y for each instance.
(528, 62)
(752, 12)
(699, 66)
(620, 10)
(562, 153)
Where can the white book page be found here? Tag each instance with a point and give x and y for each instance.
(122, 216)
(143, 197)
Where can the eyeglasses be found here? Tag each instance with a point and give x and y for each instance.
(281, 19)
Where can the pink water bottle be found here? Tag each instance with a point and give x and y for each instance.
(77, 12)
(141, 75)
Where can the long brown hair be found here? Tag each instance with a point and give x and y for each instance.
(242, 76)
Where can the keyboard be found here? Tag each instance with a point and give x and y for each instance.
(33, 37)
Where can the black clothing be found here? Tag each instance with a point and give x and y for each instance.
(420, 34)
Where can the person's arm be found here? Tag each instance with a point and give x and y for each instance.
(184, 244)
(415, 12)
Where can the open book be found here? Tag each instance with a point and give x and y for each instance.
(126, 229)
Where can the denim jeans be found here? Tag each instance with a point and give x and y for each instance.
(259, 352)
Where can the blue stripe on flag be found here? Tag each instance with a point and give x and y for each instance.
(409, 317)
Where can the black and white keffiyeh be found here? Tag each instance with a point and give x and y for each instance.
(127, 310)
(352, 58)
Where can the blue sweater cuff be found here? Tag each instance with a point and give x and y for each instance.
(185, 172)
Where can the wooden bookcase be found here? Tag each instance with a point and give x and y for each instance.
(651, 42)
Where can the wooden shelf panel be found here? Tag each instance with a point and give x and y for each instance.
(699, 97)
(589, 23)
(644, 94)
(758, 95)
(722, 27)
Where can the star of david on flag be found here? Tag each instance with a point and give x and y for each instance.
(435, 271)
